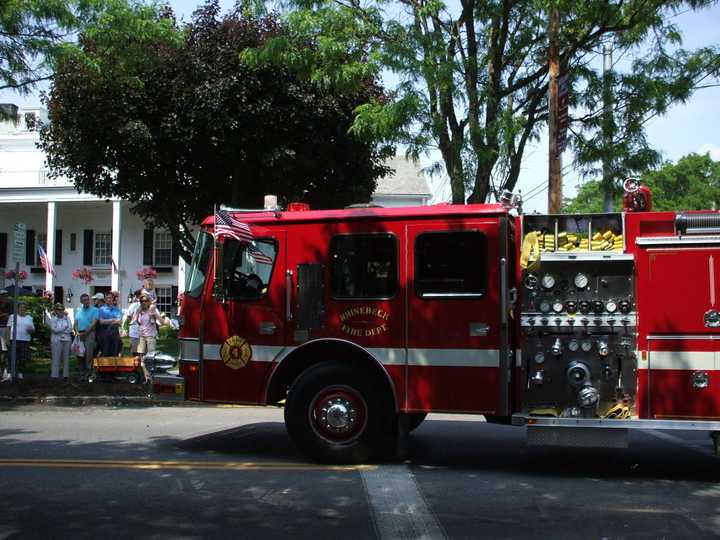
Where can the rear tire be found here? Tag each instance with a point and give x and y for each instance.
(335, 414)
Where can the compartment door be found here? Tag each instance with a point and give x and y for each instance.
(454, 324)
(678, 296)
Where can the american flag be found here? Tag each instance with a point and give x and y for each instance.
(259, 256)
(226, 225)
(45, 261)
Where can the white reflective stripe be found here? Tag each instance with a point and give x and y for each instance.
(691, 360)
(518, 357)
(454, 357)
(260, 353)
(386, 356)
(189, 349)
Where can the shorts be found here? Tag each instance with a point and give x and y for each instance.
(146, 344)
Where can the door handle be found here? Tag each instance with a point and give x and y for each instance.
(267, 328)
(288, 295)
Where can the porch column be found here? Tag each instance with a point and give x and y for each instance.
(116, 232)
(181, 275)
(50, 248)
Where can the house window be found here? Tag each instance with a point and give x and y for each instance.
(451, 264)
(162, 248)
(103, 248)
(364, 266)
(164, 300)
(40, 241)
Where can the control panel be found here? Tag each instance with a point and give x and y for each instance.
(579, 321)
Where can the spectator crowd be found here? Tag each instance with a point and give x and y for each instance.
(95, 330)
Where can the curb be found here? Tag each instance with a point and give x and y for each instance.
(107, 401)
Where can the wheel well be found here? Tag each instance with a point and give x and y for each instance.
(316, 352)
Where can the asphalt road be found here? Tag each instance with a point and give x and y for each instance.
(233, 473)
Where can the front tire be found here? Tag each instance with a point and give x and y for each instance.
(334, 414)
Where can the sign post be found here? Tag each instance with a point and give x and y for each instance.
(18, 253)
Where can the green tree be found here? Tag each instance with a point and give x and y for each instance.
(693, 183)
(168, 117)
(33, 33)
(473, 79)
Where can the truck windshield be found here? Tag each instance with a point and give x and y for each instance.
(198, 268)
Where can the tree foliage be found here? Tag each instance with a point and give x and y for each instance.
(169, 117)
(473, 78)
(33, 33)
(693, 183)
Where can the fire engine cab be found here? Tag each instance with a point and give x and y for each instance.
(361, 321)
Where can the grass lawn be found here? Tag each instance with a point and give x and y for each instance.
(167, 342)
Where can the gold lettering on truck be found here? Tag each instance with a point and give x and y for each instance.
(354, 321)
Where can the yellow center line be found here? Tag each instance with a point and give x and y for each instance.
(181, 465)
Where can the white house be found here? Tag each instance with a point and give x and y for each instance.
(79, 230)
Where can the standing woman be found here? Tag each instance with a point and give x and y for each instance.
(147, 318)
(133, 326)
(109, 320)
(25, 329)
(60, 337)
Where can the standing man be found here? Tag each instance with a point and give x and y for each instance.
(110, 318)
(99, 301)
(25, 329)
(86, 318)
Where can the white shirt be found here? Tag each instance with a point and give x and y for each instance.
(60, 328)
(134, 327)
(25, 327)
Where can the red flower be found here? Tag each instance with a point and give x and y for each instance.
(146, 272)
(83, 274)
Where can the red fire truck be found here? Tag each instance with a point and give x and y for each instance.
(361, 321)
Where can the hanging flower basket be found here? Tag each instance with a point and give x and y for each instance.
(146, 272)
(22, 275)
(83, 274)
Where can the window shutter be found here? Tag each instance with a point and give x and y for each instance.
(59, 294)
(58, 248)
(3, 250)
(88, 247)
(174, 299)
(30, 248)
(175, 255)
(148, 247)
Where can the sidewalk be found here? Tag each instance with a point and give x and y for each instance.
(41, 389)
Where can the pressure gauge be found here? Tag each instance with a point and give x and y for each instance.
(548, 281)
(531, 281)
(557, 306)
(545, 306)
(584, 306)
(611, 306)
(587, 345)
(573, 345)
(539, 357)
(581, 281)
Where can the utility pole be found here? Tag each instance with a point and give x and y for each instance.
(608, 131)
(555, 164)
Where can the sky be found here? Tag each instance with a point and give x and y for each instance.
(690, 127)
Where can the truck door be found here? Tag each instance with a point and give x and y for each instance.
(678, 302)
(244, 318)
(454, 317)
